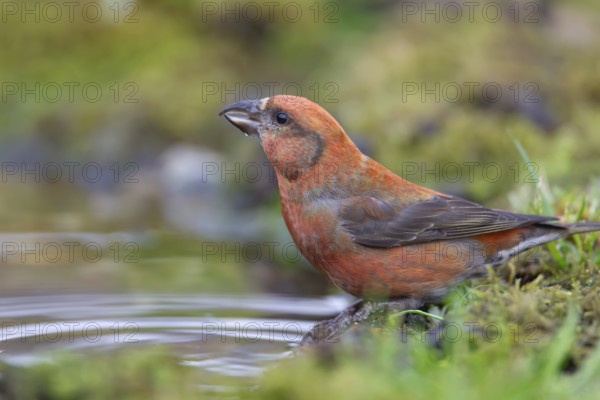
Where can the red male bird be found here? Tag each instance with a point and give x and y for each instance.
(372, 233)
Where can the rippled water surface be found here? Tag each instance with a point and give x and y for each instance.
(234, 337)
(218, 315)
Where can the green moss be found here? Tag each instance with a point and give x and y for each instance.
(382, 368)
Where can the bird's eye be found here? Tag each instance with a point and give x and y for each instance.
(282, 118)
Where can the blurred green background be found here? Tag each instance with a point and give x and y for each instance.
(136, 87)
(109, 127)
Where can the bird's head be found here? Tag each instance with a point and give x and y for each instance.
(293, 131)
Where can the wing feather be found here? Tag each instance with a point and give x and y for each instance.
(375, 223)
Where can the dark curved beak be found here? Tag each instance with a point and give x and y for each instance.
(245, 115)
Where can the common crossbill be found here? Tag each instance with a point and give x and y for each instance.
(372, 233)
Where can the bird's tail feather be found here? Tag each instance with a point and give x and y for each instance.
(576, 228)
(583, 227)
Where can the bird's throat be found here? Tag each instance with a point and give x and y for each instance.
(293, 156)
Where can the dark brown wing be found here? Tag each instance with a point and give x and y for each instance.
(375, 223)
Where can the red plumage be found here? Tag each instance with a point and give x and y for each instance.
(372, 233)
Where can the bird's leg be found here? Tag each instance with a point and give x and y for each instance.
(331, 329)
(362, 311)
